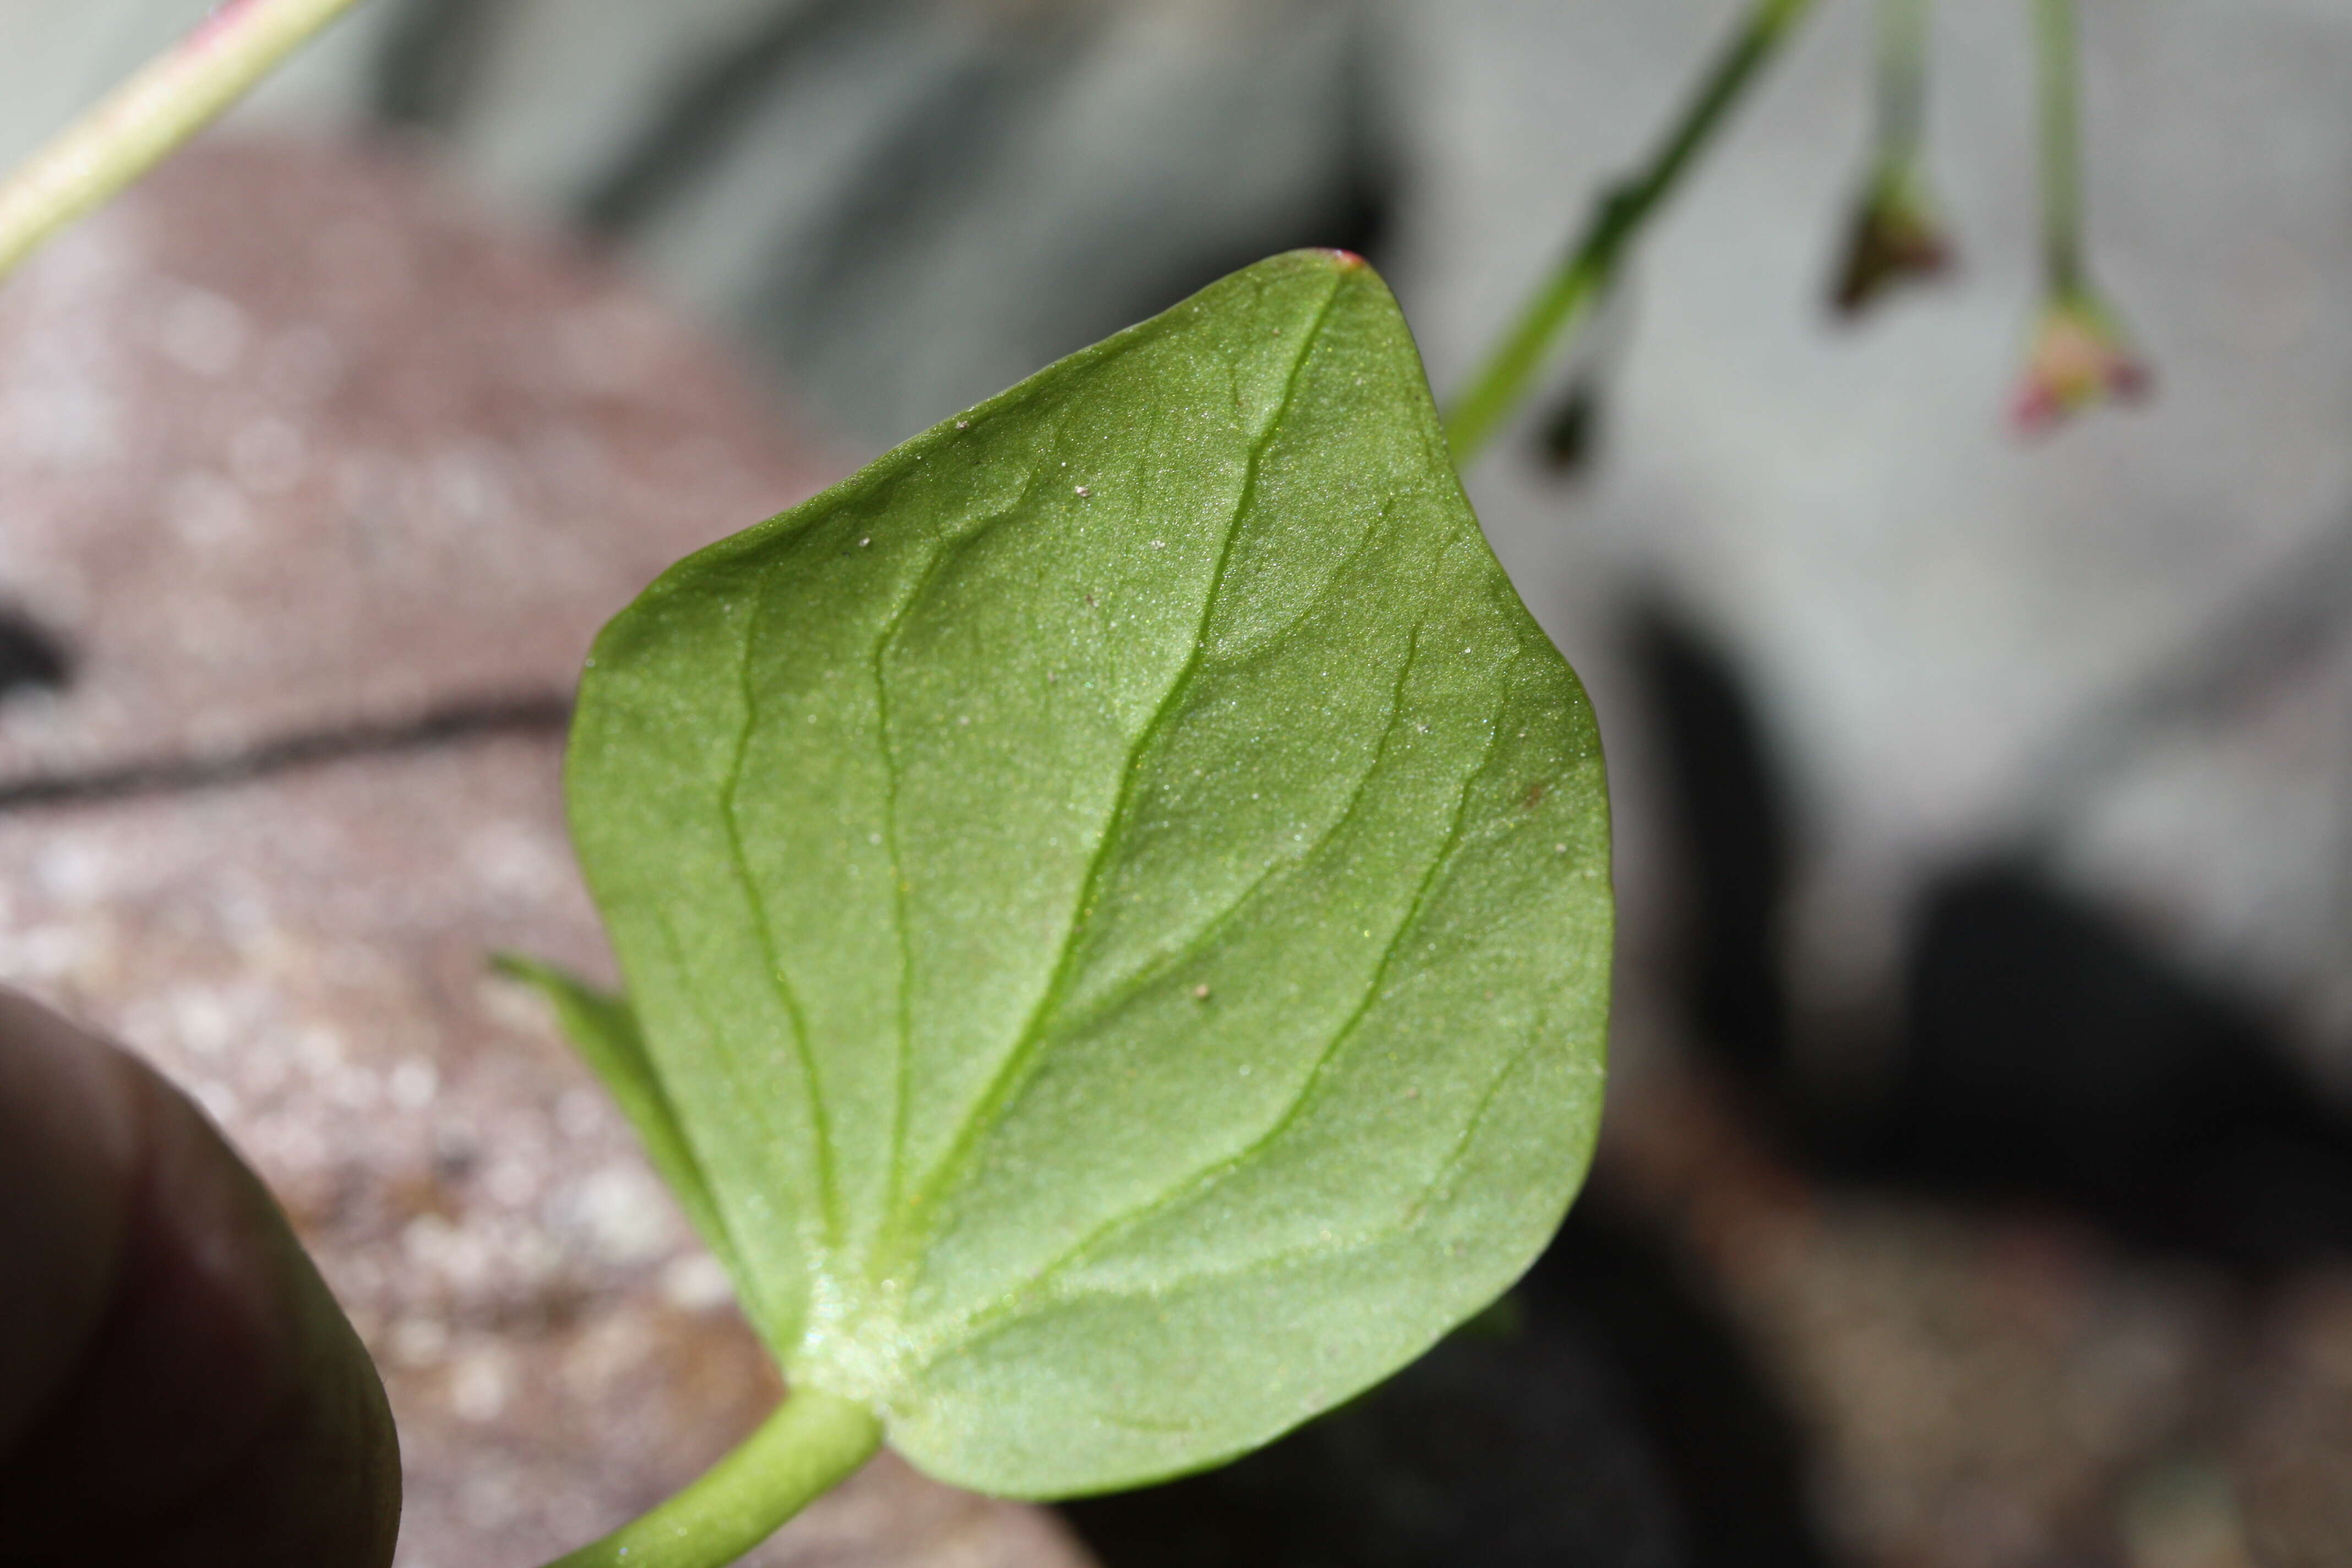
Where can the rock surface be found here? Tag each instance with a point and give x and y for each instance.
(296, 446)
(1992, 1389)
(294, 443)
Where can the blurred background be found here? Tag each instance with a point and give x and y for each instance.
(1978, 1182)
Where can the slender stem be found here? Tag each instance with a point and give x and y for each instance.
(168, 101)
(2061, 144)
(1902, 79)
(813, 1440)
(1568, 296)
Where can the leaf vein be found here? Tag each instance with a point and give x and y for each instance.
(1023, 1049)
(1207, 1177)
(1158, 967)
(724, 1244)
(731, 803)
(946, 550)
(1378, 1236)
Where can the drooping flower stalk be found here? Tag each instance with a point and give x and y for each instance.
(1564, 303)
(1896, 234)
(2081, 353)
(168, 101)
(2057, 60)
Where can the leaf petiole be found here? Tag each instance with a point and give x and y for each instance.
(813, 1440)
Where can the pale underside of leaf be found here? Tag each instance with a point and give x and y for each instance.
(1117, 896)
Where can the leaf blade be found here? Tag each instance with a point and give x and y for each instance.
(1163, 811)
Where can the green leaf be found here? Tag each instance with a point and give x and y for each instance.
(606, 1033)
(1117, 896)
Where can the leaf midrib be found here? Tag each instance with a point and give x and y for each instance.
(820, 1121)
(904, 1238)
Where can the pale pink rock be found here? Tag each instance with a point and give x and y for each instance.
(292, 440)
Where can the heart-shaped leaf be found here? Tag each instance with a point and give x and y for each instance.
(1116, 898)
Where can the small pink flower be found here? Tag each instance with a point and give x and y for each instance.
(2080, 356)
(1896, 237)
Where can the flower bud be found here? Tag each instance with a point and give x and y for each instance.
(1896, 237)
(2080, 356)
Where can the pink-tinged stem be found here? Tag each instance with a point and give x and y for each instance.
(168, 101)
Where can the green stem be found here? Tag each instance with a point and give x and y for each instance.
(169, 99)
(1902, 80)
(813, 1440)
(1568, 297)
(2061, 144)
